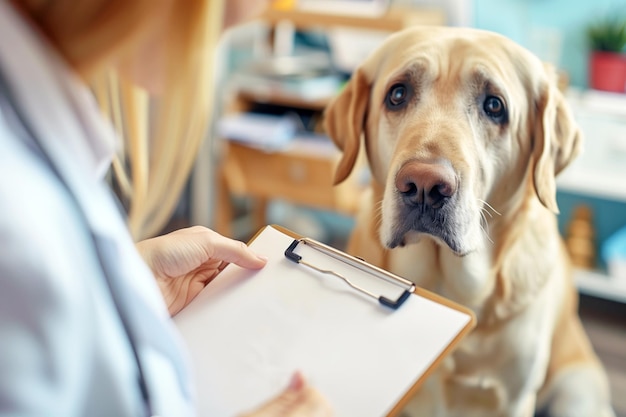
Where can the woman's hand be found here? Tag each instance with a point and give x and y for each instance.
(186, 260)
(298, 400)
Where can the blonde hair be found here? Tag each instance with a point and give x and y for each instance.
(161, 136)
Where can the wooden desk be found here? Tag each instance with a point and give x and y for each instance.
(299, 174)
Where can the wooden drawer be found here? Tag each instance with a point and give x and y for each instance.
(291, 175)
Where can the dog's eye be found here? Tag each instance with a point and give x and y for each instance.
(396, 96)
(494, 107)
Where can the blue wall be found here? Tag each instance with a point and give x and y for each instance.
(519, 19)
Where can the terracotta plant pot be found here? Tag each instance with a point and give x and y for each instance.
(607, 71)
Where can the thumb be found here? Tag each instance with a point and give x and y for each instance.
(281, 404)
(234, 251)
(297, 400)
(297, 382)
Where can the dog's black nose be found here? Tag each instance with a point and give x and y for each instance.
(429, 184)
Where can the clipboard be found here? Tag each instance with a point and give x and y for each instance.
(248, 331)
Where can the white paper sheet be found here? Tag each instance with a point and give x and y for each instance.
(247, 332)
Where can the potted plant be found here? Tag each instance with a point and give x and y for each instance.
(607, 63)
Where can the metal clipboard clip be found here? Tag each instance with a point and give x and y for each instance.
(407, 285)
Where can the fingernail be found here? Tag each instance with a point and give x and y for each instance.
(262, 257)
(297, 382)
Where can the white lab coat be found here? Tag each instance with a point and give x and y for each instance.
(63, 349)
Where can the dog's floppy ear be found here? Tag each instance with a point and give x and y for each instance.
(557, 141)
(344, 120)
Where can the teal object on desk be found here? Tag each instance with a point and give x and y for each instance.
(613, 252)
(615, 246)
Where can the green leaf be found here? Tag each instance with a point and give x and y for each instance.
(608, 35)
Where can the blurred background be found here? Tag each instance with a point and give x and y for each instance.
(267, 159)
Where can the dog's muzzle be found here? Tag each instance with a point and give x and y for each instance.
(426, 193)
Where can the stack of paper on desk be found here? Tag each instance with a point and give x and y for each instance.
(257, 130)
(248, 331)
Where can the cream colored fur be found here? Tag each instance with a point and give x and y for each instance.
(496, 248)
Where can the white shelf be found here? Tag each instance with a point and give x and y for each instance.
(600, 285)
(600, 171)
(595, 182)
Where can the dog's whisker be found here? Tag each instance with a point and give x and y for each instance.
(484, 223)
(378, 221)
(483, 218)
(486, 232)
(378, 213)
(490, 207)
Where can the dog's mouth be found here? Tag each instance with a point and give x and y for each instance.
(439, 224)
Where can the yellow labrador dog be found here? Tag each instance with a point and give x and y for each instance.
(464, 133)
